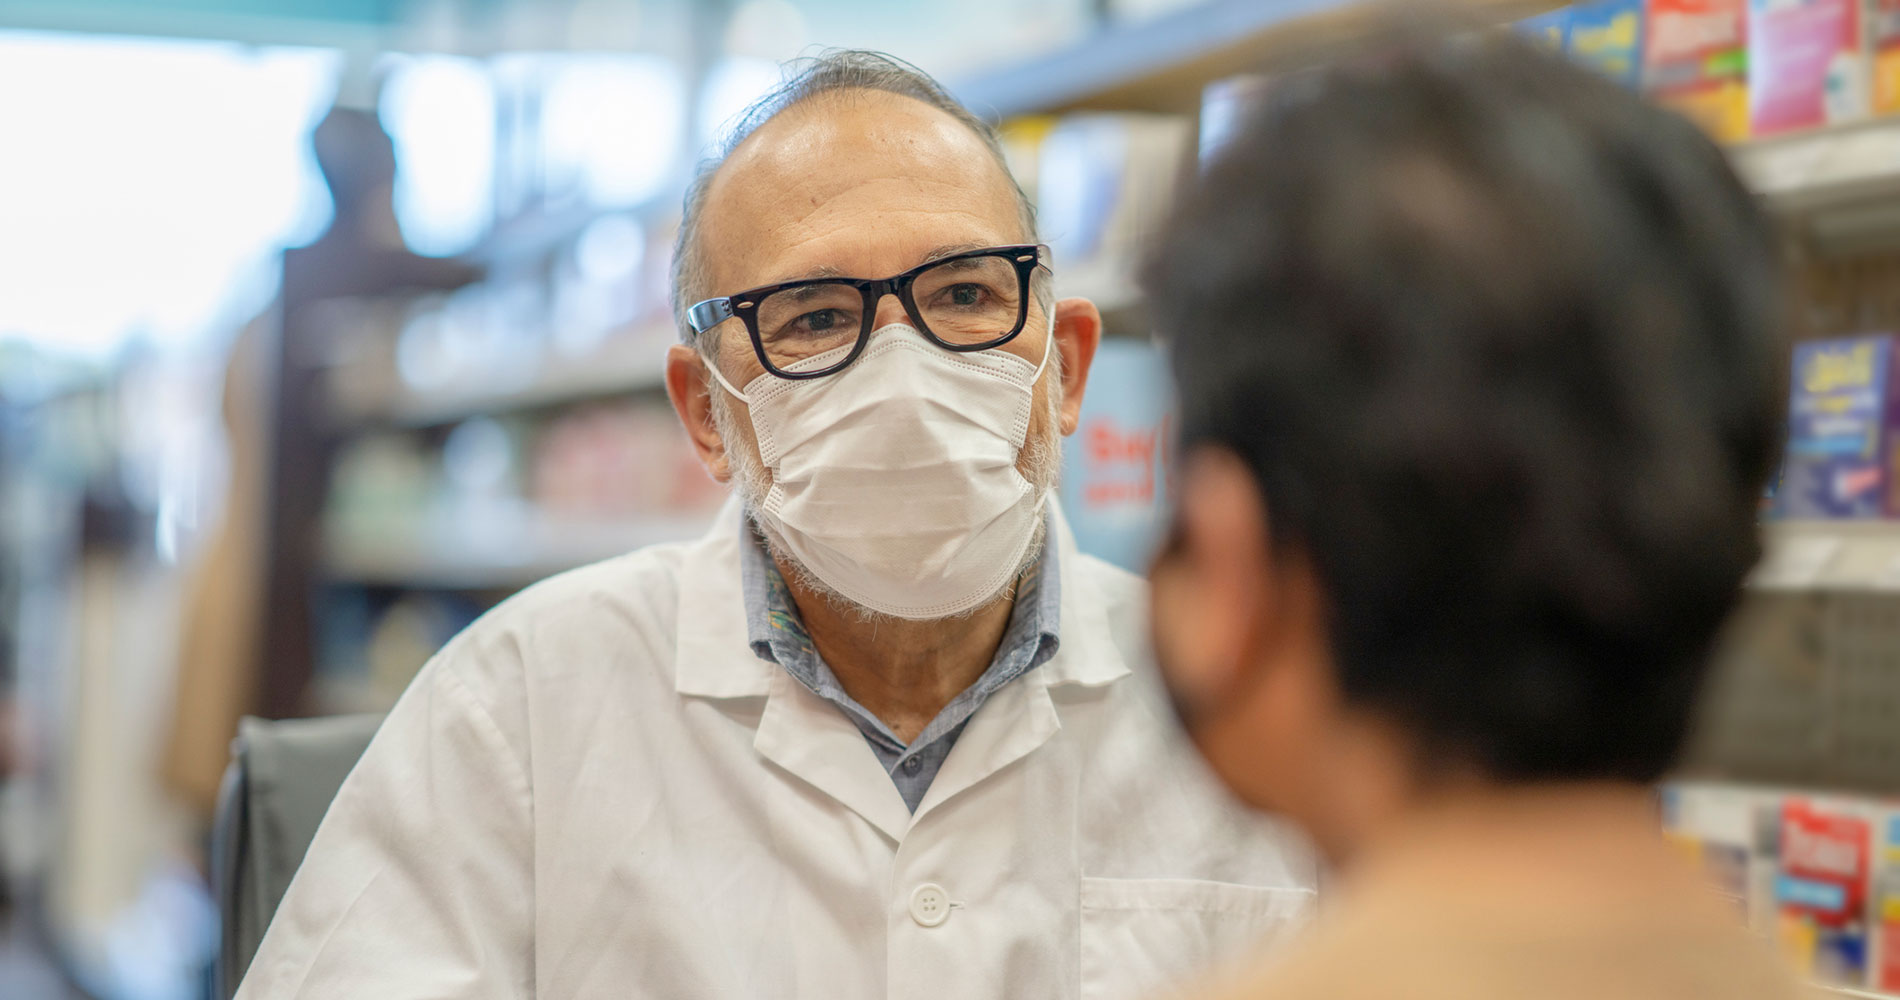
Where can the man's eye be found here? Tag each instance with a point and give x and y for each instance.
(819, 321)
(966, 295)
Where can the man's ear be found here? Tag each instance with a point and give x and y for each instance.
(1078, 332)
(688, 386)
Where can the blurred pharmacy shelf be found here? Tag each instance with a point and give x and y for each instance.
(1841, 182)
(492, 551)
(634, 365)
(1861, 556)
(1165, 63)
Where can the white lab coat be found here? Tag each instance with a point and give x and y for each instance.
(600, 791)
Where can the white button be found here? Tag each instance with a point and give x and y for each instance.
(930, 905)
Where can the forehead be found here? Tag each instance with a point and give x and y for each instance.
(862, 183)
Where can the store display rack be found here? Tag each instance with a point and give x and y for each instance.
(1840, 184)
(491, 552)
(638, 368)
(1857, 556)
(1165, 63)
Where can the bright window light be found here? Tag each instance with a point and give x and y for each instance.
(440, 112)
(612, 126)
(733, 84)
(147, 184)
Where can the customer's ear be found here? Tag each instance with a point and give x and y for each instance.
(690, 389)
(1219, 550)
(1240, 619)
(1078, 332)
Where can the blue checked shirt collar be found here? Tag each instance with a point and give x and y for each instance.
(777, 635)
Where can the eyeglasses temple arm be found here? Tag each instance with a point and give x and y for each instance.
(705, 315)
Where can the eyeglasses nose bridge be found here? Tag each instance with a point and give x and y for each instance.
(876, 292)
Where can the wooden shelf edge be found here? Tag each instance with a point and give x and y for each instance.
(1161, 64)
(466, 554)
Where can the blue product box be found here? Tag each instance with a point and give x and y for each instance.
(1551, 28)
(1843, 414)
(1608, 35)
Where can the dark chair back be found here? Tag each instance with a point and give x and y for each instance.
(279, 785)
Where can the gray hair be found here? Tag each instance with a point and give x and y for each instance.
(831, 72)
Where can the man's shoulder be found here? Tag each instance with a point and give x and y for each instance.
(585, 618)
(640, 581)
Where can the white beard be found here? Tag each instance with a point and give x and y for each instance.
(1042, 467)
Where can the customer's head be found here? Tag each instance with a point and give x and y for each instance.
(1476, 356)
(860, 166)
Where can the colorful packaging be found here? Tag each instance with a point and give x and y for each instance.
(1883, 32)
(1713, 826)
(1608, 36)
(1551, 28)
(1805, 64)
(1695, 59)
(1115, 466)
(1843, 414)
(1824, 888)
(1886, 915)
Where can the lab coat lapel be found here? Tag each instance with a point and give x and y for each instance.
(1013, 722)
(798, 731)
(1021, 717)
(809, 737)
(711, 655)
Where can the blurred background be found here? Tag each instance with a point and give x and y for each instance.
(327, 324)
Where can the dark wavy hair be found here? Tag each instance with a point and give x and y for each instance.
(1499, 341)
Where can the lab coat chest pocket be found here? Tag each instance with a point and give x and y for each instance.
(1143, 937)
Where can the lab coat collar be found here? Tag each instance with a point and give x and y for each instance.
(809, 737)
(714, 660)
(1088, 655)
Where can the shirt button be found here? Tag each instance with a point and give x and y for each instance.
(911, 764)
(929, 905)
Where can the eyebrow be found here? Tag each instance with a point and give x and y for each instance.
(828, 271)
(950, 250)
(821, 271)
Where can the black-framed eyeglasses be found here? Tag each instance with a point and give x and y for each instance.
(970, 301)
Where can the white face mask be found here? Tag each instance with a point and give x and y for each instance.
(894, 481)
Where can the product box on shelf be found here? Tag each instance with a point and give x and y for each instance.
(1843, 430)
(1115, 466)
(1552, 28)
(1105, 181)
(1695, 59)
(1607, 35)
(1886, 911)
(1805, 62)
(1824, 888)
(1714, 828)
(1883, 38)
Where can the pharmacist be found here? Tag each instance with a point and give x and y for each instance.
(883, 731)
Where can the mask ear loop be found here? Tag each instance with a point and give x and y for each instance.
(713, 366)
(1048, 348)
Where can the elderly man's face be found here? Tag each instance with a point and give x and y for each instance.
(867, 184)
(863, 184)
